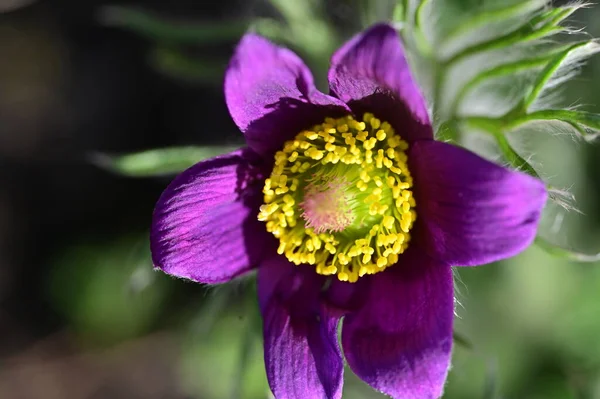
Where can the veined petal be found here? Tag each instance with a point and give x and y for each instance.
(371, 73)
(400, 340)
(472, 211)
(302, 355)
(271, 95)
(204, 226)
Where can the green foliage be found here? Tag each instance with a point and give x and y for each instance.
(494, 67)
(108, 293)
(158, 162)
(153, 27)
(225, 345)
(300, 24)
(172, 39)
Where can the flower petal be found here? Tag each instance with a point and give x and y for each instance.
(302, 355)
(271, 94)
(472, 211)
(370, 73)
(400, 341)
(204, 226)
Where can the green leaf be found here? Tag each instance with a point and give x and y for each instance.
(155, 28)
(499, 71)
(90, 284)
(175, 63)
(420, 38)
(566, 253)
(399, 12)
(484, 18)
(544, 25)
(587, 48)
(494, 127)
(586, 123)
(158, 162)
(307, 27)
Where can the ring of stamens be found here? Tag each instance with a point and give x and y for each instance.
(339, 197)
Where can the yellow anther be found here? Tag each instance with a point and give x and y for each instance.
(405, 225)
(361, 185)
(369, 144)
(269, 209)
(304, 167)
(330, 248)
(364, 176)
(388, 222)
(394, 141)
(314, 153)
(396, 170)
(373, 209)
(373, 231)
(405, 207)
(311, 135)
(340, 151)
(380, 135)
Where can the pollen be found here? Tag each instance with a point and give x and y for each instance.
(339, 198)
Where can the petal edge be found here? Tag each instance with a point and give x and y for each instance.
(472, 211)
(371, 73)
(400, 341)
(302, 354)
(204, 226)
(271, 94)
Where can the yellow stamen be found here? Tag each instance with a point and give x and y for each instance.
(339, 198)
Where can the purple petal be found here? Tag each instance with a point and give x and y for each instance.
(400, 341)
(370, 73)
(204, 226)
(472, 211)
(271, 94)
(302, 355)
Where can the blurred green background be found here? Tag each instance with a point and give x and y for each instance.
(82, 313)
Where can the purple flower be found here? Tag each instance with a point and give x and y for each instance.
(324, 203)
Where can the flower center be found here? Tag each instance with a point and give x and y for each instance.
(325, 206)
(339, 197)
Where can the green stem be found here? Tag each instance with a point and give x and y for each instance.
(566, 253)
(547, 74)
(420, 39)
(496, 128)
(541, 26)
(500, 70)
(587, 119)
(484, 18)
(146, 24)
